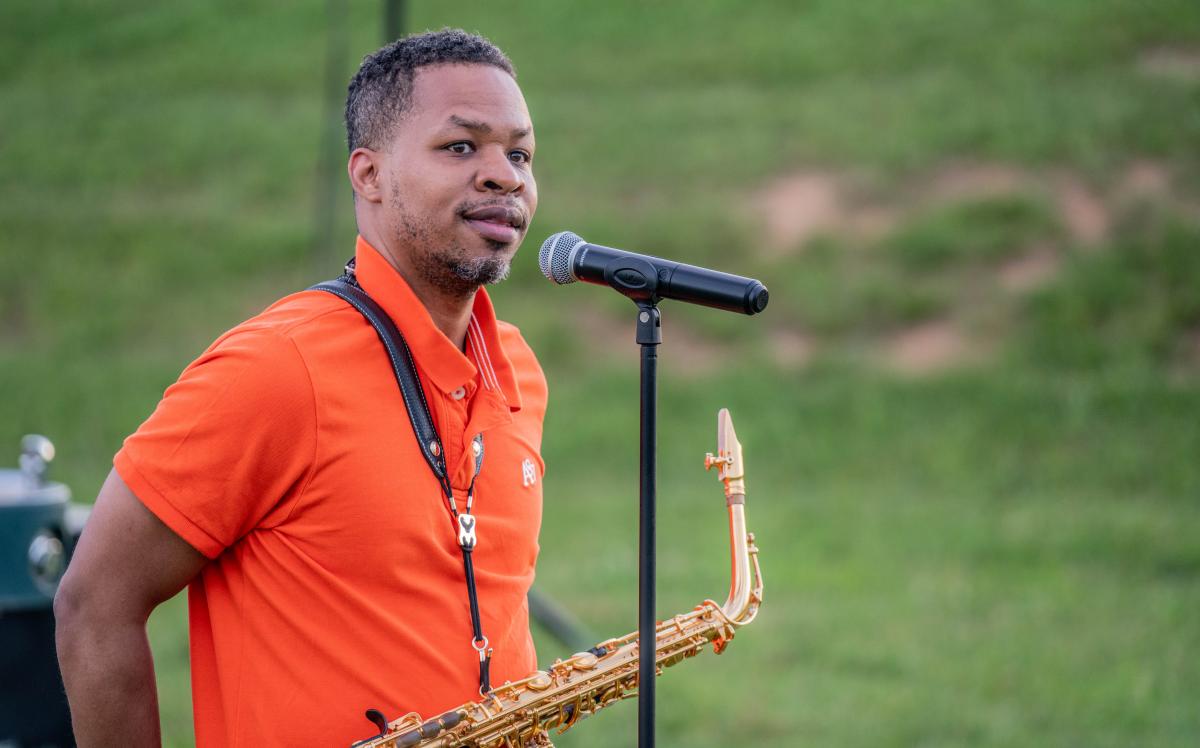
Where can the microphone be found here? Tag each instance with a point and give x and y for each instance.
(566, 258)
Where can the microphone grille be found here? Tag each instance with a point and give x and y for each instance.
(555, 256)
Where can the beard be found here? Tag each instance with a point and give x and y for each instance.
(452, 270)
(478, 271)
(447, 266)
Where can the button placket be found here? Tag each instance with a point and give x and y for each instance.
(453, 413)
(461, 462)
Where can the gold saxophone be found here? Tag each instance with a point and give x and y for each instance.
(519, 713)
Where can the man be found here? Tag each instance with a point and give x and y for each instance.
(280, 479)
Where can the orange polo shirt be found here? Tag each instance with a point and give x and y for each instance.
(285, 454)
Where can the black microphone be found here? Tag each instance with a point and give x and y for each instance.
(566, 258)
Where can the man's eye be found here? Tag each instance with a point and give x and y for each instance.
(462, 147)
(520, 157)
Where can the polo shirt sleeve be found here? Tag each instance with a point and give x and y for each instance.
(231, 445)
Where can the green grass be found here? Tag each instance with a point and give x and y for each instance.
(980, 230)
(1004, 554)
(1125, 308)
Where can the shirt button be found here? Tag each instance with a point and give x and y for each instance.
(459, 394)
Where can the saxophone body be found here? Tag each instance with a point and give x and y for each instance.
(519, 714)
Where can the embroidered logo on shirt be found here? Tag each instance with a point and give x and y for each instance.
(528, 473)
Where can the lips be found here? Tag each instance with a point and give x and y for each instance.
(496, 222)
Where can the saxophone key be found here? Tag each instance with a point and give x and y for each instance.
(540, 681)
(583, 661)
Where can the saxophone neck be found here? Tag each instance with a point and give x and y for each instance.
(745, 588)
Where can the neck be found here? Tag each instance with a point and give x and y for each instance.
(451, 312)
(450, 315)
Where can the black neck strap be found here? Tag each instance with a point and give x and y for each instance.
(346, 288)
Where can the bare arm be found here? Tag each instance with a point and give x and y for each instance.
(126, 563)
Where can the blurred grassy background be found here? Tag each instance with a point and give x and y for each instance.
(971, 414)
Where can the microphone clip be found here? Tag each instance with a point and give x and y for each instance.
(633, 277)
(649, 323)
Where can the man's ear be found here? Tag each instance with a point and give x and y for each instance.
(363, 168)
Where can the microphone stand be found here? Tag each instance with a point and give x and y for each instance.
(649, 335)
(638, 277)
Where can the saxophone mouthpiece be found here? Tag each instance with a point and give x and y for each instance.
(728, 459)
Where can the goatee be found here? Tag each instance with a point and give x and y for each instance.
(461, 277)
(479, 271)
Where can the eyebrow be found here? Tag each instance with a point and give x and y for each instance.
(483, 127)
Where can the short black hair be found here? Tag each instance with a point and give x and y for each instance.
(381, 91)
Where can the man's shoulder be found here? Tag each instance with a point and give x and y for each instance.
(290, 321)
(280, 344)
(292, 314)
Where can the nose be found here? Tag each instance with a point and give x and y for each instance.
(498, 174)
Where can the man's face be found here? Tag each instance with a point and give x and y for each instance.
(457, 177)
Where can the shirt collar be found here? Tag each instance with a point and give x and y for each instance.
(484, 364)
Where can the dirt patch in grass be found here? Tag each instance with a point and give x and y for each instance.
(1191, 349)
(799, 205)
(1176, 63)
(971, 181)
(1032, 269)
(1083, 213)
(857, 208)
(795, 207)
(927, 347)
(1144, 179)
(807, 203)
(791, 348)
